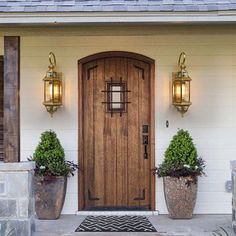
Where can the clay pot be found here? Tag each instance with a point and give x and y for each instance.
(50, 194)
(180, 195)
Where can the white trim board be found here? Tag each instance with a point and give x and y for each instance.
(117, 213)
(221, 17)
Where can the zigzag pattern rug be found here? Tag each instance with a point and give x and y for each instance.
(116, 224)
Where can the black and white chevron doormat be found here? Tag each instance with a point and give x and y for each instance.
(116, 224)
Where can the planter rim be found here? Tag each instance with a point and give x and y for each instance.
(50, 176)
(184, 177)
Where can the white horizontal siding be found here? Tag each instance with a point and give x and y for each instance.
(211, 62)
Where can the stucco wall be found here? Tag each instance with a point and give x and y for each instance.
(211, 62)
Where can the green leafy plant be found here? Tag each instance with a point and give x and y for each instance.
(49, 157)
(181, 158)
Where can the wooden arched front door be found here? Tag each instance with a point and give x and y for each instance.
(116, 131)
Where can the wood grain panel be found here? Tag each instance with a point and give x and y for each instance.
(122, 143)
(12, 99)
(115, 172)
(99, 158)
(88, 122)
(133, 135)
(144, 114)
(110, 143)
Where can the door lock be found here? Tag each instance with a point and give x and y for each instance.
(145, 140)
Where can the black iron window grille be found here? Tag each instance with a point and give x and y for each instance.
(116, 96)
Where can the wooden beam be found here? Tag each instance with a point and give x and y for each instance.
(11, 99)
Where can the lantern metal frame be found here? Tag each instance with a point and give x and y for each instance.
(52, 78)
(181, 77)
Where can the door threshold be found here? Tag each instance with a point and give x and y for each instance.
(117, 213)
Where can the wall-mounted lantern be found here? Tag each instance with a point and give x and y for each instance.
(52, 87)
(181, 87)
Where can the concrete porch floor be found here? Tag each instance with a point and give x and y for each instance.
(200, 225)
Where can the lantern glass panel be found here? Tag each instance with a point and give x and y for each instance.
(48, 91)
(52, 91)
(177, 91)
(56, 91)
(185, 91)
(181, 91)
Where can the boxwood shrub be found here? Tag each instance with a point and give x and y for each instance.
(49, 157)
(181, 158)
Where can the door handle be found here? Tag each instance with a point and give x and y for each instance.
(145, 143)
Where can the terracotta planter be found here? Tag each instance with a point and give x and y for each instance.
(180, 197)
(50, 194)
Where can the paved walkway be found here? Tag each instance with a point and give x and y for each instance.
(200, 225)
